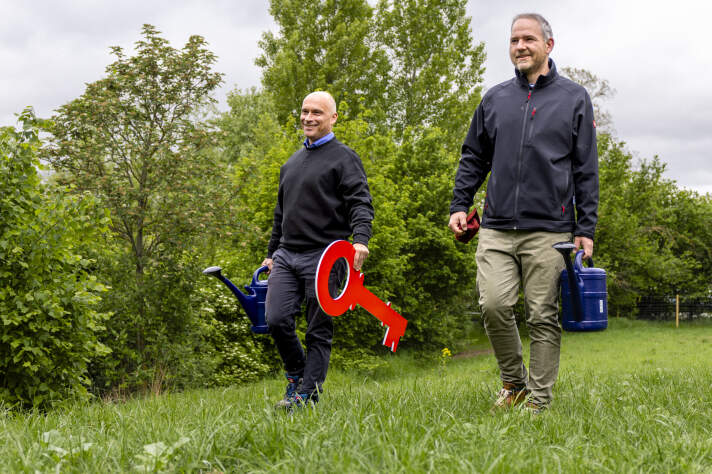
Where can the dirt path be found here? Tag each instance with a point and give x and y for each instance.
(472, 353)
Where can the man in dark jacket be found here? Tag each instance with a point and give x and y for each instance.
(323, 196)
(536, 135)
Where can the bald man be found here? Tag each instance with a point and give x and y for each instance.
(323, 196)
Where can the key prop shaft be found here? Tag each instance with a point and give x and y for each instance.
(355, 293)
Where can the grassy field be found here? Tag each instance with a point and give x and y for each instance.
(635, 398)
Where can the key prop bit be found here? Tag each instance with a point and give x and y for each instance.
(354, 293)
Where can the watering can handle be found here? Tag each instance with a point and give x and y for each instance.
(258, 272)
(578, 261)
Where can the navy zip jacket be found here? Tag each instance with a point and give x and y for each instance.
(540, 145)
(323, 196)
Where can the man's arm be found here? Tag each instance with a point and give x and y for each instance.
(355, 191)
(276, 229)
(585, 175)
(475, 164)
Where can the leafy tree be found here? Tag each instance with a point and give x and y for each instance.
(322, 44)
(651, 236)
(48, 294)
(435, 66)
(135, 140)
(599, 90)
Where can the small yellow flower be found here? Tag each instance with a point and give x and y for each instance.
(445, 356)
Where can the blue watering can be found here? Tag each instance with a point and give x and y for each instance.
(584, 298)
(254, 302)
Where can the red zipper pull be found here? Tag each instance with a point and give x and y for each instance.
(563, 210)
(529, 96)
(533, 112)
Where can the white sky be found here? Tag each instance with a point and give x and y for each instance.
(653, 53)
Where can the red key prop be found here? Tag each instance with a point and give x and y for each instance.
(355, 293)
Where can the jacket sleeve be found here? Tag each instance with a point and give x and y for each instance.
(357, 196)
(585, 169)
(475, 163)
(277, 222)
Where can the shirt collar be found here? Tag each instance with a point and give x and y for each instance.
(325, 139)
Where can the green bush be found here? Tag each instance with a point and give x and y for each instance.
(48, 296)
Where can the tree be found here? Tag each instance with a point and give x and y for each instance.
(322, 44)
(435, 67)
(599, 90)
(135, 140)
(651, 236)
(48, 294)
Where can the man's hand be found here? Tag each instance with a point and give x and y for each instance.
(267, 262)
(360, 257)
(586, 244)
(458, 222)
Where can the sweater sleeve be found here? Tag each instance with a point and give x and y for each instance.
(585, 169)
(357, 196)
(475, 163)
(277, 223)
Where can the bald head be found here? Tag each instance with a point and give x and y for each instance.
(318, 115)
(325, 98)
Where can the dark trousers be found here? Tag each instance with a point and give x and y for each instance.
(291, 283)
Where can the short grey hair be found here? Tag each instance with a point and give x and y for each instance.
(545, 26)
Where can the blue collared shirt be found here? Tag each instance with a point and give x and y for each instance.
(325, 139)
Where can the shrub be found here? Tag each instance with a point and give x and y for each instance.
(48, 295)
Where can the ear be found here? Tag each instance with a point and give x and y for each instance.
(334, 117)
(549, 45)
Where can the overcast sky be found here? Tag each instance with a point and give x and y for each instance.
(655, 54)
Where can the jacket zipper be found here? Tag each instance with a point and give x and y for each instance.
(519, 158)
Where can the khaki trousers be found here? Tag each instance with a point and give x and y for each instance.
(506, 258)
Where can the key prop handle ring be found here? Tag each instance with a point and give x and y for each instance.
(335, 306)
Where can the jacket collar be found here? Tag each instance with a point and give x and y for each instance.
(542, 81)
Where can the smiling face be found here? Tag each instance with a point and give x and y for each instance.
(528, 50)
(318, 115)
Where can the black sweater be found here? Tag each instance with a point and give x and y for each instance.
(540, 146)
(323, 196)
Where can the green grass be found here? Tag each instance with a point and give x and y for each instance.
(635, 398)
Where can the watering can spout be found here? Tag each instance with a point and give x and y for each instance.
(253, 303)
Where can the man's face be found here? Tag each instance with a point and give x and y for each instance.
(527, 48)
(318, 117)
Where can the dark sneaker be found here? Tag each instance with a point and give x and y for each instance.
(305, 399)
(510, 396)
(293, 382)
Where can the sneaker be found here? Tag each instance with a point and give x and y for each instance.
(302, 400)
(510, 396)
(293, 382)
(299, 401)
(534, 408)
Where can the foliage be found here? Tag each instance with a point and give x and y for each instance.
(136, 140)
(238, 354)
(435, 69)
(48, 292)
(323, 44)
(652, 237)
